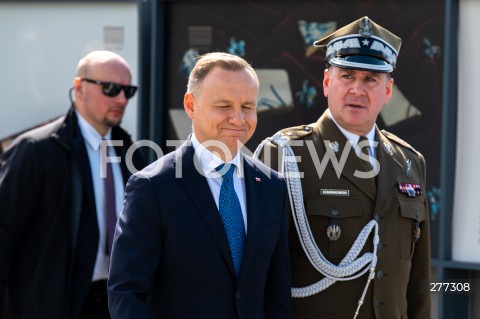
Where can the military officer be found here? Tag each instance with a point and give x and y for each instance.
(359, 233)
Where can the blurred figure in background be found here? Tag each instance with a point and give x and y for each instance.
(61, 189)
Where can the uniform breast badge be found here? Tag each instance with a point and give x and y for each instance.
(334, 232)
(416, 232)
(408, 170)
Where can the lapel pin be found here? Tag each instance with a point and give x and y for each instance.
(334, 146)
(409, 168)
(257, 179)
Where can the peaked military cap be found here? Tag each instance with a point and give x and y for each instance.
(362, 45)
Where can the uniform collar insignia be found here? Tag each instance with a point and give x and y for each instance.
(334, 146)
(388, 148)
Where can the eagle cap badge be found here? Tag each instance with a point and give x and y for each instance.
(365, 27)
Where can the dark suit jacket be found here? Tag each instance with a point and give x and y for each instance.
(171, 257)
(400, 287)
(45, 264)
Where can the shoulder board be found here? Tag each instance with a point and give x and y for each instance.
(297, 132)
(399, 141)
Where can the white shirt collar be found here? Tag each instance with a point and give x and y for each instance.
(90, 134)
(210, 161)
(353, 138)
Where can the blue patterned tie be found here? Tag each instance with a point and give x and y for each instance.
(231, 214)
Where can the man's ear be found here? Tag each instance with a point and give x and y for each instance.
(326, 82)
(189, 105)
(76, 85)
(388, 90)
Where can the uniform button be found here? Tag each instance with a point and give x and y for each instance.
(380, 274)
(378, 303)
(238, 295)
(377, 217)
(380, 246)
(334, 212)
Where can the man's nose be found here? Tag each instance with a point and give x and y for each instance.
(358, 88)
(237, 116)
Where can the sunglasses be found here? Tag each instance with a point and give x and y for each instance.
(113, 89)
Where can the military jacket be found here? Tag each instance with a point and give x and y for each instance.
(332, 195)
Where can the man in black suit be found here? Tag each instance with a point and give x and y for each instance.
(182, 247)
(54, 246)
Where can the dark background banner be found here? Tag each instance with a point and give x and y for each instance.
(276, 36)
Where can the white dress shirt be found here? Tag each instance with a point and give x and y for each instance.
(208, 162)
(92, 142)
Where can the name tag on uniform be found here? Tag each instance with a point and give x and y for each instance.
(335, 192)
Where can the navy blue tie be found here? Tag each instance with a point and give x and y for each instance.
(231, 214)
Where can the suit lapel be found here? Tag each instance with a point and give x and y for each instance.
(80, 153)
(82, 194)
(196, 187)
(254, 192)
(330, 133)
(390, 167)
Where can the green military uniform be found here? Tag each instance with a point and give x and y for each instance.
(396, 199)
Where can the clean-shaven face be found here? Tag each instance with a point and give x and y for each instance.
(224, 108)
(355, 98)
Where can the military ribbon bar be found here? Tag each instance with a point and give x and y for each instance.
(411, 190)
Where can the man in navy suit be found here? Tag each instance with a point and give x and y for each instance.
(173, 255)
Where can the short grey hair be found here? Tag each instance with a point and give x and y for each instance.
(206, 62)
